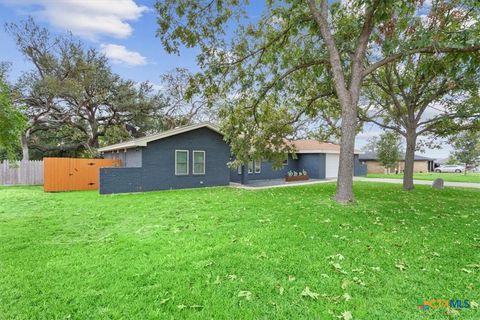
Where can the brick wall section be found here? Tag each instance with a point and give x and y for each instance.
(376, 167)
(158, 165)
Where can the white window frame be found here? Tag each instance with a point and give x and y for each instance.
(204, 162)
(250, 169)
(259, 166)
(188, 163)
(239, 169)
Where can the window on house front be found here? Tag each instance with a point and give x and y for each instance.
(181, 162)
(250, 167)
(285, 162)
(239, 169)
(258, 166)
(198, 162)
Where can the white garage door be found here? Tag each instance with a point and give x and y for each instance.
(331, 165)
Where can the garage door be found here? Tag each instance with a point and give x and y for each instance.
(331, 165)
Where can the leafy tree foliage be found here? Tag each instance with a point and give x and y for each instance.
(11, 120)
(389, 149)
(72, 96)
(176, 103)
(371, 145)
(301, 62)
(424, 95)
(466, 147)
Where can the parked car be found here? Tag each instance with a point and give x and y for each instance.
(450, 168)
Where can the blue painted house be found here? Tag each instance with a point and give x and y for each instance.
(197, 156)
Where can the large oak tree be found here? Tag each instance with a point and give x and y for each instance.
(71, 97)
(282, 67)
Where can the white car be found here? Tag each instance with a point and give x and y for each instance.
(450, 168)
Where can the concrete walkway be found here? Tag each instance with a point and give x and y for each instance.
(421, 182)
(276, 183)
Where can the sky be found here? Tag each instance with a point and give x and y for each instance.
(124, 30)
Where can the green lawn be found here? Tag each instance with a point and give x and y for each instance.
(224, 253)
(454, 177)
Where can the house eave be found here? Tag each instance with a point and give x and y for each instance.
(324, 151)
(142, 142)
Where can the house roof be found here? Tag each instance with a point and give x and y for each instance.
(373, 156)
(315, 146)
(301, 146)
(142, 142)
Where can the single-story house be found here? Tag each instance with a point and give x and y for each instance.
(197, 156)
(421, 163)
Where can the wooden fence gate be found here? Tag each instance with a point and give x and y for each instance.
(21, 172)
(69, 174)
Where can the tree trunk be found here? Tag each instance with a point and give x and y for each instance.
(25, 149)
(409, 160)
(345, 170)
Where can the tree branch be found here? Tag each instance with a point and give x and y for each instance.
(430, 49)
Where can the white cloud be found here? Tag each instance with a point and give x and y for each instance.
(119, 54)
(86, 18)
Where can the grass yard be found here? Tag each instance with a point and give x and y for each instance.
(224, 253)
(453, 177)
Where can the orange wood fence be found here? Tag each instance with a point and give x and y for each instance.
(69, 174)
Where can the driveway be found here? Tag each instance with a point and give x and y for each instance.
(421, 182)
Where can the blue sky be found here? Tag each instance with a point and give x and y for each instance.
(124, 30)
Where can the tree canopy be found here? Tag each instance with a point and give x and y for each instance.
(12, 121)
(73, 101)
(303, 63)
(388, 149)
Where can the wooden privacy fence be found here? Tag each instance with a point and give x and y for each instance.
(21, 172)
(69, 174)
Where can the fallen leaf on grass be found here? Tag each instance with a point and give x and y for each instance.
(466, 270)
(337, 256)
(208, 264)
(347, 315)
(358, 281)
(196, 306)
(262, 255)
(345, 283)
(401, 266)
(310, 294)
(346, 296)
(338, 267)
(452, 312)
(245, 294)
(291, 278)
(163, 301)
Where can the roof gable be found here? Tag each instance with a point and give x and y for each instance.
(142, 142)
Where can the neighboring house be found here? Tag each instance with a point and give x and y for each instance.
(421, 164)
(197, 156)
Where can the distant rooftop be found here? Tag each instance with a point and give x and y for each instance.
(315, 146)
(373, 156)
